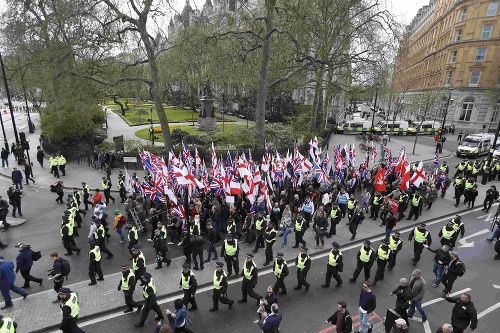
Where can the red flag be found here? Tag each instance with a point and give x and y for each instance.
(405, 177)
(380, 181)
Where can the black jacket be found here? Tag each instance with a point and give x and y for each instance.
(463, 313)
(442, 256)
(347, 326)
(403, 295)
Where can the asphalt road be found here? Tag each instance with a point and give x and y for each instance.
(306, 312)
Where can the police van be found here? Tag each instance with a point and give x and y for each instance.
(427, 127)
(399, 127)
(475, 144)
(357, 125)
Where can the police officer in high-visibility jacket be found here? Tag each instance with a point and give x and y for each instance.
(189, 285)
(421, 236)
(250, 276)
(86, 195)
(447, 235)
(122, 189)
(260, 226)
(334, 267)
(7, 325)
(133, 237)
(303, 263)
(395, 244)
(415, 205)
(299, 227)
(138, 262)
(220, 288)
(459, 227)
(54, 163)
(127, 284)
(61, 161)
(230, 251)
(270, 235)
(335, 216)
(365, 259)
(149, 293)
(383, 254)
(281, 271)
(95, 263)
(106, 187)
(69, 311)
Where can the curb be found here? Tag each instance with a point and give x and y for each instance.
(14, 222)
(264, 270)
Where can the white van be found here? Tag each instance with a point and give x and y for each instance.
(427, 127)
(358, 125)
(474, 145)
(399, 127)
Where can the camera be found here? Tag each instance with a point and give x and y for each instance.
(51, 272)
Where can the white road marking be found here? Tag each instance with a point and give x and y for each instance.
(464, 242)
(495, 286)
(488, 310)
(442, 299)
(268, 271)
(489, 217)
(427, 327)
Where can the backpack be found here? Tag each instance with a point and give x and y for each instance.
(65, 267)
(122, 220)
(461, 270)
(53, 188)
(35, 255)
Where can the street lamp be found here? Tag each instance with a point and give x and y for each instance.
(9, 101)
(448, 102)
(151, 130)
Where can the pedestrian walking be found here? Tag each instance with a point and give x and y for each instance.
(67, 237)
(7, 279)
(403, 299)
(138, 262)
(59, 190)
(61, 163)
(5, 157)
(334, 267)
(445, 328)
(260, 226)
(281, 271)
(24, 263)
(417, 290)
(220, 288)
(106, 187)
(189, 285)
(197, 242)
(58, 273)
(365, 200)
(341, 318)
(54, 163)
(39, 156)
(179, 316)
(15, 196)
(357, 219)
(265, 303)
(364, 261)
(415, 206)
(441, 259)
(286, 226)
(28, 172)
(367, 304)
(463, 313)
(422, 237)
(149, 293)
(391, 222)
(303, 263)
(160, 246)
(272, 320)
(69, 311)
(452, 272)
(270, 235)
(335, 216)
(127, 284)
(95, 263)
(86, 195)
(299, 228)
(213, 238)
(491, 195)
(395, 244)
(17, 178)
(119, 222)
(460, 134)
(99, 236)
(4, 211)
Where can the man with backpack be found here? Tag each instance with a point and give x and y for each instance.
(120, 221)
(452, 272)
(24, 262)
(60, 269)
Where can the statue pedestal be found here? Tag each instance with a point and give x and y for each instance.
(206, 119)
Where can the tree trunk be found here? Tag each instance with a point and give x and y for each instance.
(318, 100)
(260, 110)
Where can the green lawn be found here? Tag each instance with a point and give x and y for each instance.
(140, 113)
(144, 133)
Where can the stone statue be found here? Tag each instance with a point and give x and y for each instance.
(207, 90)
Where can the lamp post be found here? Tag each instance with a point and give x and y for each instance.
(4, 135)
(8, 99)
(448, 102)
(151, 130)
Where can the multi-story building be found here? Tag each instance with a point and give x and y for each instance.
(453, 47)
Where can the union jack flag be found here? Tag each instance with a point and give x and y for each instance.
(374, 154)
(179, 211)
(436, 160)
(326, 165)
(442, 178)
(146, 161)
(352, 154)
(320, 175)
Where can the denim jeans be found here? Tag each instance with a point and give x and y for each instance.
(286, 231)
(5, 162)
(418, 305)
(119, 231)
(19, 185)
(387, 233)
(438, 272)
(496, 234)
(211, 249)
(363, 321)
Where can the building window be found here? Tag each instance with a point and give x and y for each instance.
(492, 8)
(467, 107)
(474, 78)
(486, 31)
(480, 54)
(463, 15)
(494, 113)
(447, 80)
(453, 57)
(458, 35)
